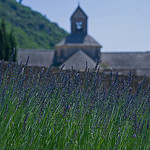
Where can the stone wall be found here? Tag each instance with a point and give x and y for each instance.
(106, 78)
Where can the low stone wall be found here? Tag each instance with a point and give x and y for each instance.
(104, 74)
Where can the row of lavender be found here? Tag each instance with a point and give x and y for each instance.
(71, 110)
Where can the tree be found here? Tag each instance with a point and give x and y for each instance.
(2, 52)
(13, 45)
(7, 43)
(2, 40)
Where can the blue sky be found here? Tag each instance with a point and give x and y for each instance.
(118, 25)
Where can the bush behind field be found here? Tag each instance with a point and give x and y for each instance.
(72, 110)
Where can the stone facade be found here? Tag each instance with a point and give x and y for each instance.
(65, 52)
(77, 40)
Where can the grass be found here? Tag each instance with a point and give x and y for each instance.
(45, 110)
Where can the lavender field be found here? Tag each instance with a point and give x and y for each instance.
(72, 111)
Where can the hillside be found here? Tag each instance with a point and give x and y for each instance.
(31, 29)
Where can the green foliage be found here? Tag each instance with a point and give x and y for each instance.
(7, 43)
(31, 29)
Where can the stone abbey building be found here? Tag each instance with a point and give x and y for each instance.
(79, 47)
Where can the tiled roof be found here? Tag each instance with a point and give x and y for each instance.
(78, 61)
(79, 39)
(126, 60)
(42, 58)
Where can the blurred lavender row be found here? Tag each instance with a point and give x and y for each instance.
(55, 109)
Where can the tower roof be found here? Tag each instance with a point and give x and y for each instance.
(79, 39)
(79, 13)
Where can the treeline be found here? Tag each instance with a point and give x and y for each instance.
(8, 46)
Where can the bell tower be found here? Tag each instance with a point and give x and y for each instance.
(79, 21)
(78, 42)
